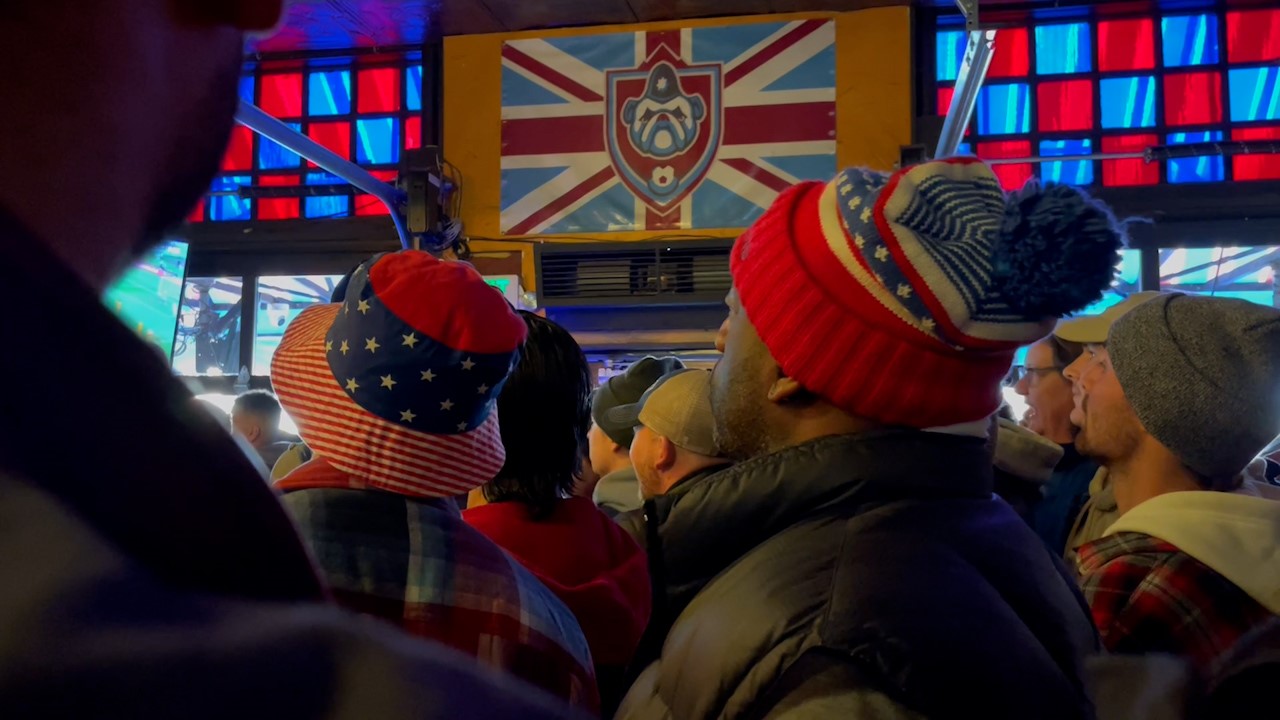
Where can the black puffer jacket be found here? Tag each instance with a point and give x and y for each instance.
(861, 576)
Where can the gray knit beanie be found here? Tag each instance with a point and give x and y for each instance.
(1203, 376)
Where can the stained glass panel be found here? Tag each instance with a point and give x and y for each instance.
(282, 94)
(1065, 105)
(1256, 167)
(1190, 40)
(1128, 102)
(229, 207)
(1071, 172)
(1253, 36)
(1062, 49)
(1126, 45)
(950, 53)
(1012, 56)
(277, 208)
(413, 88)
(378, 141)
(326, 206)
(334, 135)
(273, 156)
(329, 92)
(1004, 109)
(1255, 94)
(379, 90)
(1207, 168)
(1119, 173)
(1193, 98)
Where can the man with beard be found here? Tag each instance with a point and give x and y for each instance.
(152, 573)
(1181, 397)
(855, 563)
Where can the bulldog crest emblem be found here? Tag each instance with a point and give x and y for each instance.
(663, 127)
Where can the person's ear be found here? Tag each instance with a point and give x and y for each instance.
(665, 458)
(242, 15)
(255, 432)
(783, 389)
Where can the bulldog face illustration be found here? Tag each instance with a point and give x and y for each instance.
(664, 121)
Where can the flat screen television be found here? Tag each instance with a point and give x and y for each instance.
(147, 297)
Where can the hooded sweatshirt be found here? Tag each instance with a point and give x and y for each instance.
(1187, 573)
(587, 560)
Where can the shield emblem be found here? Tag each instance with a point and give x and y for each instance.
(663, 128)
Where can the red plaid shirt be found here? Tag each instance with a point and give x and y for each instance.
(1147, 596)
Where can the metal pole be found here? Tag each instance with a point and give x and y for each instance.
(1067, 158)
(254, 118)
(973, 73)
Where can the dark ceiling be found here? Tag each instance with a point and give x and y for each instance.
(341, 24)
(326, 25)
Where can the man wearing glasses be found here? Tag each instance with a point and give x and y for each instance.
(1048, 415)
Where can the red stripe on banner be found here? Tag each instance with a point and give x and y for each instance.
(746, 67)
(562, 202)
(550, 75)
(757, 173)
(655, 40)
(553, 136)
(655, 221)
(798, 122)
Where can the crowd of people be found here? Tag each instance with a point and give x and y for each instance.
(839, 520)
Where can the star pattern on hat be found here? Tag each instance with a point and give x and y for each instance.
(328, 346)
(407, 375)
(845, 188)
(928, 324)
(904, 290)
(866, 214)
(855, 202)
(859, 240)
(882, 253)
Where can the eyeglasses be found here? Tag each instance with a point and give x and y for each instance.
(1021, 372)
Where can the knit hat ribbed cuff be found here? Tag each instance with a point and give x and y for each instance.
(863, 359)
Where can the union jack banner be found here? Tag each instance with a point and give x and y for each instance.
(664, 130)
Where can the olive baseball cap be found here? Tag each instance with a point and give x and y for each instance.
(677, 407)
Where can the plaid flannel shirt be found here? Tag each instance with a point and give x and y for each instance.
(416, 563)
(1147, 596)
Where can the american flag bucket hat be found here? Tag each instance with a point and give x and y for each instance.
(397, 385)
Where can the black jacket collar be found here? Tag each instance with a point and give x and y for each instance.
(705, 526)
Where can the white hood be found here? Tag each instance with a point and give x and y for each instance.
(1237, 533)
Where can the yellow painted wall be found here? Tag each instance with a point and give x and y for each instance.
(873, 108)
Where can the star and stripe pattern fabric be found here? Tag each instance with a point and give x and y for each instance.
(396, 387)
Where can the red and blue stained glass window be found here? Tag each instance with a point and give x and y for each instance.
(367, 110)
(1119, 85)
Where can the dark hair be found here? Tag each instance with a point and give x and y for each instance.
(1065, 352)
(261, 403)
(545, 411)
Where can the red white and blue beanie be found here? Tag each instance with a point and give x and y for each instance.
(396, 386)
(902, 298)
